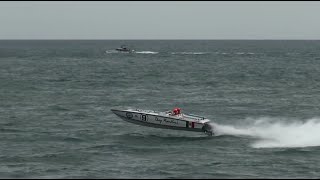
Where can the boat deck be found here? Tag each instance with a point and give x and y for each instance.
(187, 117)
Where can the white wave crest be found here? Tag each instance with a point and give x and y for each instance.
(274, 133)
(111, 51)
(244, 53)
(146, 52)
(190, 53)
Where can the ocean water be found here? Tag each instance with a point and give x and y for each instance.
(263, 98)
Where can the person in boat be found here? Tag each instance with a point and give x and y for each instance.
(176, 111)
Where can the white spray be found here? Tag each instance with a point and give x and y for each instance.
(272, 133)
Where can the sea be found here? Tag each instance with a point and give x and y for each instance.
(262, 97)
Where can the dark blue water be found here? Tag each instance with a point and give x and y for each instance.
(262, 96)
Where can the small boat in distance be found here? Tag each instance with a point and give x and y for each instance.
(124, 48)
(168, 120)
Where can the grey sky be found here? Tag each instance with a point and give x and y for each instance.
(159, 20)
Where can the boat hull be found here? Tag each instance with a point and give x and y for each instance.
(125, 50)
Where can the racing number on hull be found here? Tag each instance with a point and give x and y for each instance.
(143, 117)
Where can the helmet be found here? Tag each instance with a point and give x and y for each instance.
(175, 111)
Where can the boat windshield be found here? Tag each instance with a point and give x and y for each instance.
(147, 111)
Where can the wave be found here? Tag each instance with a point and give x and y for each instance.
(136, 52)
(276, 133)
(183, 53)
(10, 130)
(244, 53)
(146, 52)
(111, 51)
(190, 53)
(237, 53)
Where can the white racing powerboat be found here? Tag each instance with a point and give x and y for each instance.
(124, 48)
(168, 120)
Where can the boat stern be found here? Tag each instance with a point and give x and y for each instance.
(208, 129)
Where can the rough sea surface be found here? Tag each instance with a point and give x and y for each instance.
(263, 98)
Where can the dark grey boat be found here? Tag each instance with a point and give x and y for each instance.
(124, 48)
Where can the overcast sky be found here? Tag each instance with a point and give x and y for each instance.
(159, 20)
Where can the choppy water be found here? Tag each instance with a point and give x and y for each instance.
(262, 96)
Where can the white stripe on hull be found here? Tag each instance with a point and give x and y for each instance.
(161, 125)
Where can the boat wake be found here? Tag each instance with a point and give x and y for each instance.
(134, 52)
(276, 133)
(235, 53)
(111, 51)
(189, 53)
(181, 53)
(146, 52)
